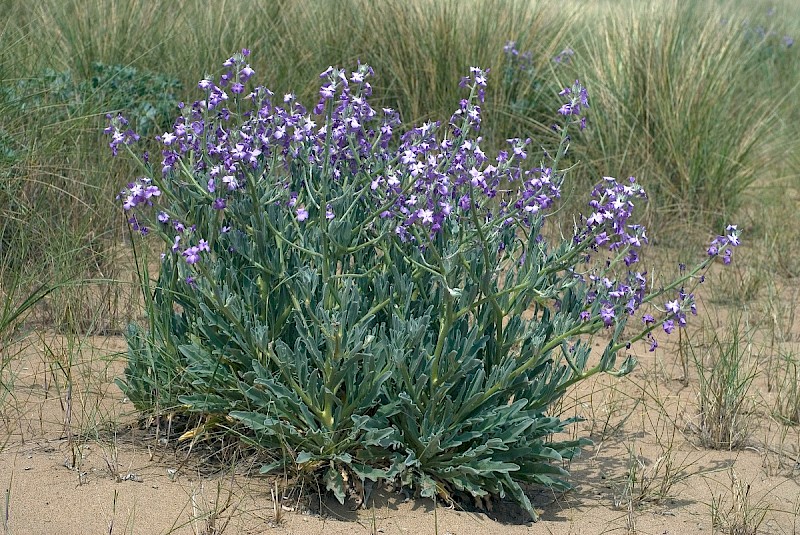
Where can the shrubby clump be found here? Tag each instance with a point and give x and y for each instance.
(370, 301)
(149, 98)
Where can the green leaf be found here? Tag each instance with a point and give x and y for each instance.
(271, 467)
(365, 472)
(304, 457)
(334, 482)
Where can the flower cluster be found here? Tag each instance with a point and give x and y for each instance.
(425, 180)
(138, 193)
(675, 309)
(766, 36)
(430, 182)
(722, 244)
(435, 175)
(565, 56)
(522, 61)
(192, 254)
(609, 298)
(578, 100)
(121, 134)
(612, 204)
(607, 230)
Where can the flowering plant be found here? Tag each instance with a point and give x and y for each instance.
(370, 303)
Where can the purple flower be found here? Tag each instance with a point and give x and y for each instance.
(730, 239)
(510, 49)
(595, 219)
(168, 138)
(578, 99)
(302, 214)
(669, 326)
(327, 91)
(120, 135)
(673, 307)
(192, 255)
(726, 257)
(607, 314)
(231, 181)
(138, 193)
(479, 76)
(246, 73)
(426, 216)
(733, 235)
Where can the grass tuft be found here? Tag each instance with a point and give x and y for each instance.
(725, 372)
(666, 79)
(738, 513)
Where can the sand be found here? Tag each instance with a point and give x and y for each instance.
(76, 461)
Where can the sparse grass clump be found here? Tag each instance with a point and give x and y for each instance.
(787, 386)
(738, 513)
(725, 369)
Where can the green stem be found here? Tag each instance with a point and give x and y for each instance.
(445, 322)
(484, 283)
(281, 238)
(519, 287)
(327, 411)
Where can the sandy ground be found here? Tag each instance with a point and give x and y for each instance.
(74, 461)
